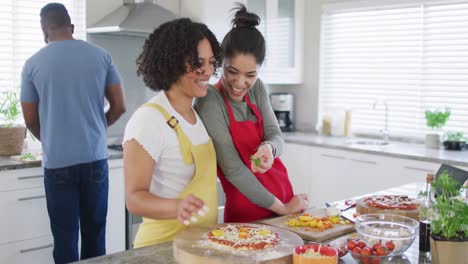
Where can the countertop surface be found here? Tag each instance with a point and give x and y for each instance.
(8, 163)
(162, 253)
(395, 149)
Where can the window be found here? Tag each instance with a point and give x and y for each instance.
(411, 54)
(21, 34)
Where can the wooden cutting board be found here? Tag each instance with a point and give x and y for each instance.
(192, 246)
(315, 236)
(363, 208)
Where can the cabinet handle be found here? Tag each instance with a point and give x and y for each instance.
(365, 161)
(332, 156)
(417, 169)
(31, 198)
(36, 248)
(30, 177)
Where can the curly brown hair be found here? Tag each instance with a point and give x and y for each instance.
(172, 50)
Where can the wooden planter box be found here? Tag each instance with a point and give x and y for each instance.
(445, 252)
(11, 140)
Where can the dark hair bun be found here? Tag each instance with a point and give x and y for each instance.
(242, 18)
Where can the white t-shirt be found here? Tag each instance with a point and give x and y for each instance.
(149, 128)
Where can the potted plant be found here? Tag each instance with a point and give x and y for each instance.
(455, 141)
(449, 222)
(435, 120)
(11, 133)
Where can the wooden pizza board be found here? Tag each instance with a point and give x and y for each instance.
(192, 246)
(315, 236)
(362, 208)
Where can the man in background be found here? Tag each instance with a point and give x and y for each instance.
(63, 88)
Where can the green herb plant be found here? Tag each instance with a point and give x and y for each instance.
(256, 161)
(455, 136)
(28, 156)
(9, 109)
(449, 213)
(437, 119)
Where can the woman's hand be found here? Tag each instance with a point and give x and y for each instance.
(188, 206)
(299, 203)
(263, 159)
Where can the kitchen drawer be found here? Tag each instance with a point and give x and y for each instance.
(24, 215)
(37, 251)
(21, 179)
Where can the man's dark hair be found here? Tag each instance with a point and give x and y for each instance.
(55, 16)
(244, 37)
(172, 50)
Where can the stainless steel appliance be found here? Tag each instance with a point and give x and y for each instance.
(283, 106)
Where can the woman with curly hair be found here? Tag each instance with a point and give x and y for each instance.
(248, 141)
(169, 159)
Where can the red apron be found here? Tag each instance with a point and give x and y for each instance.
(247, 136)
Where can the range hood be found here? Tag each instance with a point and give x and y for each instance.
(133, 18)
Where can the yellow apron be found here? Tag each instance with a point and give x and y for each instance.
(203, 186)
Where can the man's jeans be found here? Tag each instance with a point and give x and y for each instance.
(77, 197)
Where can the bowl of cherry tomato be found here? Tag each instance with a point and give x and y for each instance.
(377, 253)
(383, 235)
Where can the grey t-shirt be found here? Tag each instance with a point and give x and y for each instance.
(213, 111)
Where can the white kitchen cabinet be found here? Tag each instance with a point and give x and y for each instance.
(300, 163)
(27, 226)
(21, 179)
(25, 215)
(282, 25)
(115, 229)
(37, 250)
(328, 174)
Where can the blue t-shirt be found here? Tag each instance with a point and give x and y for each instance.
(68, 79)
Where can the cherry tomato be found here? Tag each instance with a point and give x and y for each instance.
(351, 244)
(390, 245)
(382, 251)
(357, 250)
(375, 246)
(361, 244)
(308, 246)
(366, 251)
(365, 260)
(375, 261)
(300, 250)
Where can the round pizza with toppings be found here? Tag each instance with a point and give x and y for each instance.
(244, 237)
(392, 202)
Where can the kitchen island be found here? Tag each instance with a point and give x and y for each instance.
(162, 253)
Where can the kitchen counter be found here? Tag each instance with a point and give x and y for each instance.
(162, 253)
(395, 149)
(7, 163)
(157, 254)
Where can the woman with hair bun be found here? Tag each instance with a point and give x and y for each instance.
(247, 138)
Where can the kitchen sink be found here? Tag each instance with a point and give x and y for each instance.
(371, 142)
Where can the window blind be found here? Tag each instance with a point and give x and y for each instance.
(411, 55)
(21, 34)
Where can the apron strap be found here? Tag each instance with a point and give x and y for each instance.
(252, 107)
(184, 142)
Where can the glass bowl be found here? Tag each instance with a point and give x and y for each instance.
(401, 259)
(383, 228)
